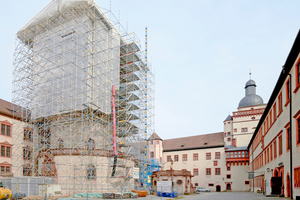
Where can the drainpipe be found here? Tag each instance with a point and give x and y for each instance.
(291, 146)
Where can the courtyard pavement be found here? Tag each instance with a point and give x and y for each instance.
(217, 195)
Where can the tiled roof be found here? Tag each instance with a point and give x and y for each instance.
(5, 108)
(194, 142)
(154, 136)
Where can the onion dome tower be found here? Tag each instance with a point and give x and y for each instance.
(251, 98)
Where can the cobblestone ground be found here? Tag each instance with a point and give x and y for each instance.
(217, 196)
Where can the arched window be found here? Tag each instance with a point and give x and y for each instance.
(60, 143)
(90, 144)
(91, 172)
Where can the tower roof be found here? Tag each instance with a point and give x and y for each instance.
(154, 136)
(251, 98)
(228, 118)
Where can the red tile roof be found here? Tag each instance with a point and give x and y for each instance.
(6, 108)
(194, 142)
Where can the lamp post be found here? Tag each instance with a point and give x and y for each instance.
(290, 140)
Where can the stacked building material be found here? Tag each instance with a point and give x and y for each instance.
(108, 195)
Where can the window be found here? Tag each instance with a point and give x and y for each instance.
(2, 129)
(27, 135)
(253, 118)
(228, 155)
(275, 149)
(244, 129)
(268, 156)
(274, 112)
(228, 134)
(228, 168)
(179, 182)
(195, 156)
(168, 158)
(60, 143)
(196, 184)
(217, 155)
(157, 142)
(8, 130)
(297, 75)
(270, 117)
(243, 154)
(195, 172)
(27, 152)
(215, 163)
(288, 92)
(208, 156)
(91, 172)
(175, 158)
(228, 139)
(279, 103)
(151, 141)
(288, 137)
(280, 145)
(27, 170)
(208, 171)
(45, 137)
(235, 130)
(247, 182)
(271, 152)
(297, 177)
(5, 169)
(5, 128)
(239, 154)
(5, 151)
(152, 154)
(228, 176)
(217, 171)
(210, 184)
(90, 144)
(184, 157)
(235, 154)
(298, 130)
(265, 157)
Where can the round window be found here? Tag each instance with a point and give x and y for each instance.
(179, 182)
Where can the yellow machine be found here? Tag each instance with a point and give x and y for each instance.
(5, 193)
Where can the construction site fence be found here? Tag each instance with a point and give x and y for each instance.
(27, 186)
(176, 190)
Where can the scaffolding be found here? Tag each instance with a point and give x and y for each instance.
(86, 95)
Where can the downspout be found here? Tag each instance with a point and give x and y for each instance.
(113, 105)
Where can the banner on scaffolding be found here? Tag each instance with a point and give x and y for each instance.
(135, 173)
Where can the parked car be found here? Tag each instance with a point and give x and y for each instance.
(202, 189)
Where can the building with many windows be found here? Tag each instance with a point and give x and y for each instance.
(218, 161)
(7, 122)
(275, 145)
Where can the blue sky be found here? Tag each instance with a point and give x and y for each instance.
(201, 52)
